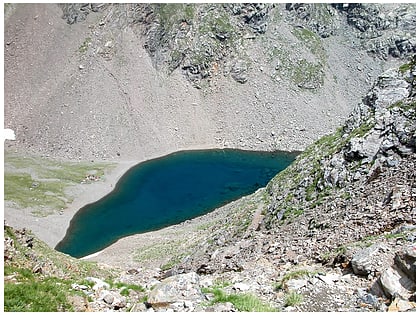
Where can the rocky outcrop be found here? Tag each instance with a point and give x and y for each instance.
(206, 40)
(77, 12)
(322, 19)
(385, 31)
(254, 15)
(179, 290)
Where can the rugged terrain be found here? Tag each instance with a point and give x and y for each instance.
(334, 232)
(109, 86)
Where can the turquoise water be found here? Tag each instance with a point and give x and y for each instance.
(167, 191)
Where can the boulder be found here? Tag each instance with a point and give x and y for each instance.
(241, 286)
(401, 305)
(363, 260)
(108, 298)
(238, 71)
(295, 284)
(363, 148)
(395, 282)
(406, 261)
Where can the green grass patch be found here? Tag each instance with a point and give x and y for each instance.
(305, 73)
(406, 106)
(341, 250)
(205, 226)
(31, 294)
(292, 299)
(311, 40)
(409, 66)
(243, 302)
(41, 183)
(291, 212)
(171, 15)
(173, 261)
(23, 190)
(170, 250)
(48, 291)
(125, 287)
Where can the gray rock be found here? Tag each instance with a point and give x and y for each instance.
(238, 71)
(321, 19)
(81, 287)
(254, 15)
(119, 302)
(177, 288)
(329, 278)
(367, 298)
(363, 148)
(295, 284)
(108, 298)
(384, 29)
(406, 261)
(401, 305)
(394, 282)
(363, 260)
(139, 307)
(241, 286)
(389, 89)
(221, 307)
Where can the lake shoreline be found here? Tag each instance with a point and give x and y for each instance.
(52, 228)
(169, 190)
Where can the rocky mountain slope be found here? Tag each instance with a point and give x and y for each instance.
(336, 232)
(101, 81)
(333, 232)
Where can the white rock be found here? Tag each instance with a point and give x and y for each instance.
(9, 134)
(295, 284)
(241, 286)
(99, 284)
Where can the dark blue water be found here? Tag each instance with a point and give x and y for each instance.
(167, 191)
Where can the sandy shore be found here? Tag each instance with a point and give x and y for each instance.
(52, 228)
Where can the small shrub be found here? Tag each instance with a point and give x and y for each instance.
(293, 298)
(84, 47)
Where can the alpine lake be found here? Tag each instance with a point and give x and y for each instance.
(169, 190)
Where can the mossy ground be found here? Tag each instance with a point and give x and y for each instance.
(41, 184)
